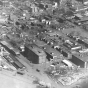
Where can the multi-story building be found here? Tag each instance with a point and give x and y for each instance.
(80, 61)
(52, 54)
(34, 54)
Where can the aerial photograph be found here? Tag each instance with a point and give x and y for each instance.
(43, 43)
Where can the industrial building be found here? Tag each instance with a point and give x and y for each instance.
(79, 61)
(34, 54)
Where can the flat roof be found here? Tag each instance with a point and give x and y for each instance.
(36, 50)
(52, 51)
(83, 58)
(85, 18)
(39, 43)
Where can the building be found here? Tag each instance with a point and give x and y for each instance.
(80, 60)
(83, 42)
(83, 19)
(71, 45)
(79, 40)
(34, 54)
(34, 9)
(39, 43)
(9, 48)
(51, 53)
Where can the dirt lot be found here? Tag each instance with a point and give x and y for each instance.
(9, 81)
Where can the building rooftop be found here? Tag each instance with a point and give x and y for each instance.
(52, 51)
(37, 50)
(82, 57)
(39, 43)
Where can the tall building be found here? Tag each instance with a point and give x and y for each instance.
(34, 54)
